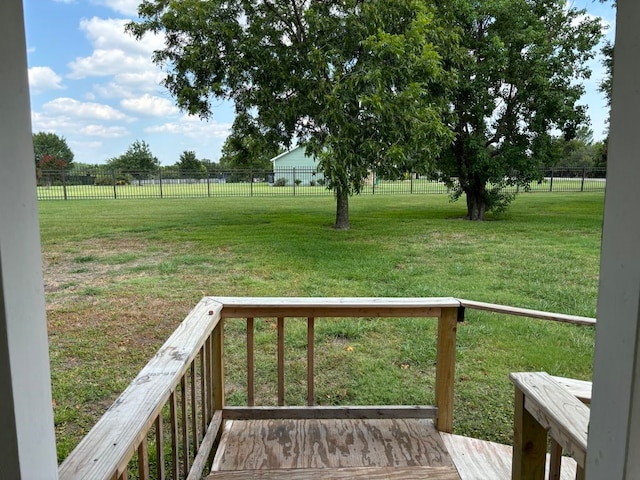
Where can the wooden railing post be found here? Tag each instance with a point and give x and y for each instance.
(446, 367)
(218, 366)
(529, 443)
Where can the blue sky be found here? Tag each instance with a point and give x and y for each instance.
(97, 87)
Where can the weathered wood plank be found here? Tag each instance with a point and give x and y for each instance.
(581, 389)
(529, 443)
(556, 410)
(204, 452)
(481, 460)
(330, 412)
(240, 307)
(116, 435)
(275, 444)
(526, 312)
(372, 473)
(446, 368)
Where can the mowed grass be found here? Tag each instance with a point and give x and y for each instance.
(121, 275)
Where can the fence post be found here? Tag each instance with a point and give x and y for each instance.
(411, 177)
(551, 183)
(294, 181)
(250, 183)
(64, 184)
(373, 182)
(584, 174)
(113, 181)
(208, 184)
(160, 179)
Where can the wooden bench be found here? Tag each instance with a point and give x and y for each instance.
(544, 406)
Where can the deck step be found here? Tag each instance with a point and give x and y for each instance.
(372, 473)
(482, 460)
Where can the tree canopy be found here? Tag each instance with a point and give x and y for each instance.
(360, 84)
(137, 159)
(51, 151)
(189, 165)
(518, 83)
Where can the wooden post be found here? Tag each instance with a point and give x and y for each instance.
(218, 366)
(529, 444)
(250, 363)
(446, 368)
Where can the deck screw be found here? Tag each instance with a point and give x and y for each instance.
(210, 312)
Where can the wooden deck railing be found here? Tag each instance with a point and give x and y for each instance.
(165, 424)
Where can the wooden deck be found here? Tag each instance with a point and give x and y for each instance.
(376, 449)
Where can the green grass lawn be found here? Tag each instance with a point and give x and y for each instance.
(121, 275)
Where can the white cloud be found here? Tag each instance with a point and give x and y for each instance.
(42, 79)
(150, 105)
(193, 127)
(126, 7)
(104, 131)
(115, 52)
(73, 108)
(127, 85)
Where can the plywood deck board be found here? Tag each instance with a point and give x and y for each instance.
(296, 444)
(369, 473)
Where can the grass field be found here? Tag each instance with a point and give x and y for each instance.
(121, 275)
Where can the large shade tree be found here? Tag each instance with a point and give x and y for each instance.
(360, 83)
(518, 86)
(138, 159)
(51, 151)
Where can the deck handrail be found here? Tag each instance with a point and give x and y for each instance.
(186, 377)
(105, 452)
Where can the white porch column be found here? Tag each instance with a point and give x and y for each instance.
(27, 438)
(614, 431)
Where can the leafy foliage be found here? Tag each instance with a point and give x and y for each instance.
(189, 165)
(51, 151)
(518, 82)
(137, 159)
(360, 84)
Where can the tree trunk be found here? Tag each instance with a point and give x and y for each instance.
(476, 202)
(342, 209)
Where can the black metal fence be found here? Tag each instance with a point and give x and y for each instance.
(165, 182)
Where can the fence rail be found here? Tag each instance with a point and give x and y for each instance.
(105, 183)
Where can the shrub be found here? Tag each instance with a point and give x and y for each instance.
(281, 182)
(298, 181)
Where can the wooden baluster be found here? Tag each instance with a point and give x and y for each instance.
(446, 368)
(556, 460)
(280, 327)
(184, 424)
(143, 460)
(203, 391)
(209, 377)
(217, 367)
(195, 439)
(310, 361)
(173, 408)
(250, 364)
(160, 473)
